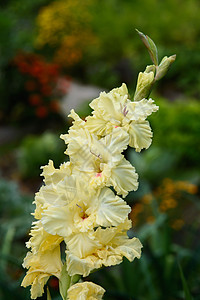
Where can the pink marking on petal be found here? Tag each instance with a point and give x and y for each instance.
(98, 175)
(116, 126)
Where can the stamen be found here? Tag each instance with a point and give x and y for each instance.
(98, 156)
(124, 110)
(80, 207)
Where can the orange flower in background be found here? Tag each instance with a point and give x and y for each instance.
(41, 112)
(55, 105)
(170, 198)
(30, 85)
(43, 83)
(35, 99)
(46, 90)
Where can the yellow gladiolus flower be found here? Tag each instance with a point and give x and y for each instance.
(88, 251)
(85, 291)
(85, 213)
(41, 267)
(114, 109)
(100, 159)
(41, 240)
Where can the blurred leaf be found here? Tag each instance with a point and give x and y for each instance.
(188, 296)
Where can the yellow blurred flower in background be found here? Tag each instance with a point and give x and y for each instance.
(65, 25)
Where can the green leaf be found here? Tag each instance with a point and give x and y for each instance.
(151, 47)
(64, 282)
(188, 296)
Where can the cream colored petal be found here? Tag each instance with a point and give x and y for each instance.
(82, 244)
(85, 291)
(124, 178)
(81, 266)
(42, 266)
(40, 205)
(52, 175)
(112, 210)
(140, 110)
(99, 179)
(121, 91)
(111, 258)
(94, 103)
(79, 149)
(116, 142)
(114, 245)
(37, 281)
(58, 220)
(110, 108)
(110, 105)
(78, 122)
(60, 194)
(130, 249)
(40, 262)
(41, 240)
(140, 135)
(96, 124)
(106, 235)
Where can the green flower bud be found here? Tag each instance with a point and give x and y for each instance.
(144, 85)
(151, 68)
(164, 66)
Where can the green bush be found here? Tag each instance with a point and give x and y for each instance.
(174, 30)
(35, 152)
(15, 221)
(176, 128)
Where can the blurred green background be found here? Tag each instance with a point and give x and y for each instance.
(50, 49)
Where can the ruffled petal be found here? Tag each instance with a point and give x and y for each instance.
(41, 240)
(81, 266)
(116, 142)
(52, 175)
(130, 249)
(140, 135)
(42, 266)
(96, 124)
(140, 110)
(124, 178)
(84, 291)
(112, 210)
(58, 220)
(82, 244)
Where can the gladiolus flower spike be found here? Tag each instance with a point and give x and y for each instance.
(76, 205)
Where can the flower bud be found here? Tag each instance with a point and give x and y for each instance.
(164, 66)
(144, 85)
